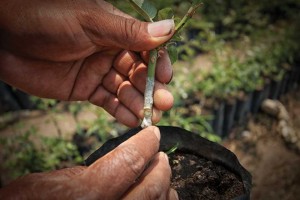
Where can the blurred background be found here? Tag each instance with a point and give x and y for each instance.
(233, 56)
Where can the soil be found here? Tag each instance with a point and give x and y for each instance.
(195, 178)
(262, 150)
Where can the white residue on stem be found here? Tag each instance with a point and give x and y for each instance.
(148, 103)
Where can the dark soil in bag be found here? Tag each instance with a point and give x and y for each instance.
(194, 177)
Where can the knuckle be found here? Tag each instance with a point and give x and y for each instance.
(153, 191)
(132, 30)
(132, 159)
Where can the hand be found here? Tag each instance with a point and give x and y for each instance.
(120, 174)
(83, 50)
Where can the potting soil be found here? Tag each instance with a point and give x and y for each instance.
(194, 178)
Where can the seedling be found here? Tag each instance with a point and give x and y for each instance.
(150, 14)
(173, 149)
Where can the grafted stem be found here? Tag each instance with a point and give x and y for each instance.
(148, 99)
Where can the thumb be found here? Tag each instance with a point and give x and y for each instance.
(139, 36)
(111, 30)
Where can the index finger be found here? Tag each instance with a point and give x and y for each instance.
(114, 173)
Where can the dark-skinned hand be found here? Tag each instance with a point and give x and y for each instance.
(132, 171)
(83, 50)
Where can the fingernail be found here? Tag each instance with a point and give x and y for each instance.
(161, 28)
(156, 132)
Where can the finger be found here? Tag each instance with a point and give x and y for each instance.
(163, 99)
(173, 195)
(66, 172)
(163, 70)
(127, 63)
(154, 182)
(90, 75)
(107, 29)
(145, 56)
(113, 80)
(101, 97)
(123, 165)
(134, 101)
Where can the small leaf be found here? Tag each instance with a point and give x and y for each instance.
(145, 8)
(172, 51)
(177, 20)
(173, 149)
(166, 13)
(176, 38)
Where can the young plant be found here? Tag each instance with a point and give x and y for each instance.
(149, 13)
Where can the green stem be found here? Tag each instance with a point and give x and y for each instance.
(195, 5)
(148, 99)
(152, 63)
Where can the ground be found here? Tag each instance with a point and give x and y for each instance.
(274, 166)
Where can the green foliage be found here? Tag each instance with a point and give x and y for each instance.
(179, 116)
(42, 103)
(168, 13)
(27, 152)
(165, 13)
(145, 8)
(103, 126)
(266, 54)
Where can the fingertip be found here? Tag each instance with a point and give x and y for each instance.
(164, 72)
(173, 195)
(161, 28)
(145, 56)
(163, 99)
(152, 34)
(166, 157)
(157, 114)
(126, 117)
(154, 130)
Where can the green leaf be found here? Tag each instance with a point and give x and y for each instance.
(145, 8)
(177, 20)
(173, 149)
(173, 54)
(176, 38)
(166, 13)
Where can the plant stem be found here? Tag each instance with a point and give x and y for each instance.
(195, 5)
(148, 99)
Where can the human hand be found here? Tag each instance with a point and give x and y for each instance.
(133, 170)
(83, 50)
